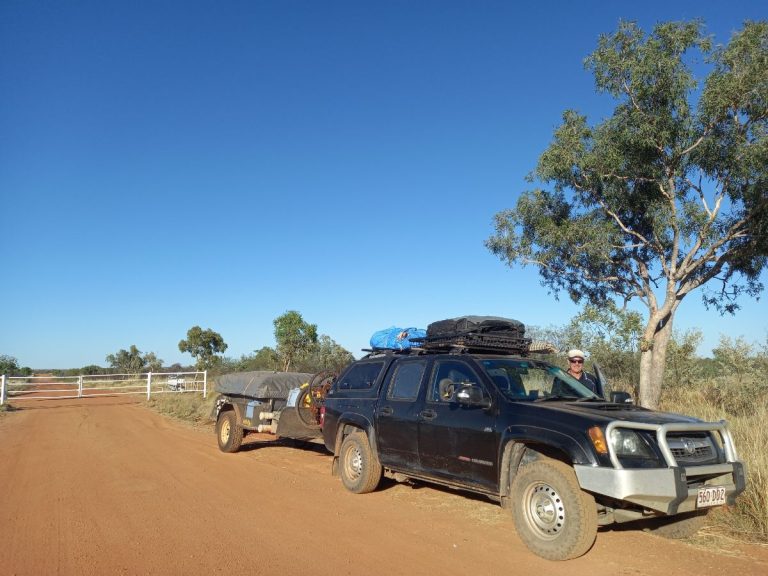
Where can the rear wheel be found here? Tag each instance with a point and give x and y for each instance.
(228, 433)
(553, 516)
(677, 527)
(359, 468)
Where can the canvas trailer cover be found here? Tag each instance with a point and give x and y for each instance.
(261, 384)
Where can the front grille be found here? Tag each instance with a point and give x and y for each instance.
(698, 454)
(692, 449)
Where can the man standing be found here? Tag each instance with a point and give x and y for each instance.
(576, 369)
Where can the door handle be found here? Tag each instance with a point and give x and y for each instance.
(428, 414)
(386, 411)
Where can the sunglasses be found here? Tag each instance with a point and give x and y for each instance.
(576, 361)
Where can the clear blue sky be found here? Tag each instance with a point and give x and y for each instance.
(165, 164)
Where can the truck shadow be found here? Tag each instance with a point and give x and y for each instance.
(303, 445)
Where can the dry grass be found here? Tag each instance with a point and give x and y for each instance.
(189, 407)
(746, 410)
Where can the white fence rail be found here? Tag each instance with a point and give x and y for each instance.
(86, 385)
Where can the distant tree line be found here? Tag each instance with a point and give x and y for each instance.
(610, 337)
(298, 348)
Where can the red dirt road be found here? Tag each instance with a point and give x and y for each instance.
(104, 486)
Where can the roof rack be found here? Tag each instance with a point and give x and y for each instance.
(376, 351)
(477, 342)
(466, 343)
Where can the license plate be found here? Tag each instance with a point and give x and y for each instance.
(710, 496)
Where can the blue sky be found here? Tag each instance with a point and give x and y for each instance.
(167, 164)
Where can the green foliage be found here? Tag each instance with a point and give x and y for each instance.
(203, 345)
(10, 367)
(132, 361)
(667, 195)
(263, 359)
(325, 354)
(683, 368)
(294, 337)
(92, 369)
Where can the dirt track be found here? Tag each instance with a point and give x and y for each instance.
(106, 486)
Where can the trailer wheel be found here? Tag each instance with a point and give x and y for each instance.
(553, 516)
(360, 469)
(677, 527)
(228, 433)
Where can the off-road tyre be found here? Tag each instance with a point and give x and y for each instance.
(359, 468)
(305, 409)
(553, 516)
(228, 433)
(677, 527)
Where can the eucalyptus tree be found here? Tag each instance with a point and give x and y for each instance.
(666, 196)
(205, 346)
(133, 361)
(294, 337)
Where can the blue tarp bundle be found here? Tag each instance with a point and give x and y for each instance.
(396, 338)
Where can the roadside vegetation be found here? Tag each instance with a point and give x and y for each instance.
(730, 386)
(190, 407)
(733, 387)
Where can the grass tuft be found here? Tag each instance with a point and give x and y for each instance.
(747, 521)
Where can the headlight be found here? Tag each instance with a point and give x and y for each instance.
(629, 443)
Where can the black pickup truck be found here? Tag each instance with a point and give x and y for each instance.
(524, 433)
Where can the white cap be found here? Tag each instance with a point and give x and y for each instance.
(575, 353)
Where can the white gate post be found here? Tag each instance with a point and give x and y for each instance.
(205, 384)
(149, 384)
(2, 390)
(80, 386)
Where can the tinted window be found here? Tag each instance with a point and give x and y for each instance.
(530, 380)
(360, 376)
(406, 381)
(447, 376)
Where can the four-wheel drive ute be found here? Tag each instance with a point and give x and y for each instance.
(473, 414)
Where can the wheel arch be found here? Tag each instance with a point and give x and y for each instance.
(348, 423)
(519, 447)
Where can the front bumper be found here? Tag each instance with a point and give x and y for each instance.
(666, 490)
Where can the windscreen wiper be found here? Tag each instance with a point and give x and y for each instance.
(557, 397)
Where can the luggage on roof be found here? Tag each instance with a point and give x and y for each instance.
(476, 324)
(396, 338)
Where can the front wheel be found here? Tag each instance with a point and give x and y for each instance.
(359, 468)
(553, 516)
(228, 433)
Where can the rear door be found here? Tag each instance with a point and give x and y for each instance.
(397, 414)
(457, 442)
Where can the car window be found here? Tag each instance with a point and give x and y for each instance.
(406, 381)
(360, 376)
(447, 376)
(532, 380)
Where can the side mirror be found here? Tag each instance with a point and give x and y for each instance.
(621, 398)
(472, 395)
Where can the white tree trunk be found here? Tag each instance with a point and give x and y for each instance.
(653, 358)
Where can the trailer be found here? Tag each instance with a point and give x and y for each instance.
(280, 404)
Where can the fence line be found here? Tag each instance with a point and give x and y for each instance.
(90, 385)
